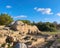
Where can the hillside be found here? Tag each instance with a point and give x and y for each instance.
(30, 35)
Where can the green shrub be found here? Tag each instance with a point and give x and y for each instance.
(5, 19)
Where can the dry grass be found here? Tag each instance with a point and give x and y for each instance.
(51, 33)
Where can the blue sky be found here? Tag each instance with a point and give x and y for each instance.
(33, 10)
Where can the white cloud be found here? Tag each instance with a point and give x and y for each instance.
(8, 6)
(21, 16)
(58, 14)
(44, 10)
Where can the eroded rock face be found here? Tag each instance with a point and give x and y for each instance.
(20, 26)
(9, 36)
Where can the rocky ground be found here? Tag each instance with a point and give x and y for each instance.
(18, 31)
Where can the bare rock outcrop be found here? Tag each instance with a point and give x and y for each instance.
(24, 28)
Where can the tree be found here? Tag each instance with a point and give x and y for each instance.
(33, 23)
(47, 26)
(5, 19)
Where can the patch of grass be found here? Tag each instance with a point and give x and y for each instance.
(51, 33)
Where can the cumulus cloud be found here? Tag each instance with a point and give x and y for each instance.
(44, 10)
(58, 14)
(8, 6)
(21, 16)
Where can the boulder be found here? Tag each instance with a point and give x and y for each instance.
(19, 45)
(16, 25)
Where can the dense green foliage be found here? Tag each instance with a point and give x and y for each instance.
(5, 19)
(47, 26)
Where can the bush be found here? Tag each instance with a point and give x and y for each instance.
(47, 26)
(5, 19)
